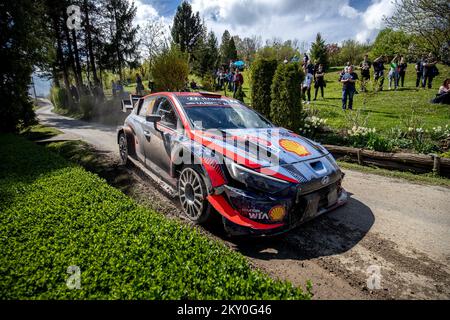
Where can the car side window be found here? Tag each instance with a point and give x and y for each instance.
(147, 107)
(168, 116)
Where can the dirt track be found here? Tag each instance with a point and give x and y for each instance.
(396, 227)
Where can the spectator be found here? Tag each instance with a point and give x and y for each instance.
(378, 68)
(305, 59)
(194, 85)
(365, 66)
(306, 86)
(348, 88)
(402, 71)
(443, 95)
(393, 73)
(139, 85)
(320, 81)
(429, 67)
(419, 70)
(310, 67)
(113, 88)
(238, 81)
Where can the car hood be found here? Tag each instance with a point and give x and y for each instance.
(261, 148)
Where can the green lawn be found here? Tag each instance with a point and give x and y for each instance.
(386, 109)
(54, 214)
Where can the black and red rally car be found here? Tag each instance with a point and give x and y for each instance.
(218, 154)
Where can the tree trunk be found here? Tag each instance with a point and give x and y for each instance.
(70, 52)
(89, 43)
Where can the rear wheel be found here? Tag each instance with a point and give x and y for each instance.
(192, 193)
(123, 149)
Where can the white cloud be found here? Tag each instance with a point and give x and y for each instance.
(337, 20)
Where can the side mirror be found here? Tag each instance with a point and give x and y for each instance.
(155, 119)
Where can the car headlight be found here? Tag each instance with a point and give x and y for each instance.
(255, 180)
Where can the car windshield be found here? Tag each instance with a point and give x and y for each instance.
(223, 114)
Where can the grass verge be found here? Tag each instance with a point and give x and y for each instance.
(426, 178)
(54, 215)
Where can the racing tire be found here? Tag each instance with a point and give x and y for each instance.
(123, 149)
(193, 194)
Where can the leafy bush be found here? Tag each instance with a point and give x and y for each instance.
(362, 137)
(312, 125)
(262, 74)
(170, 70)
(286, 106)
(208, 82)
(59, 97)
(87, 106)
(56, 215)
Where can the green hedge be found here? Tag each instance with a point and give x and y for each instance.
(54, 214)
(286, 104)
(262, 72)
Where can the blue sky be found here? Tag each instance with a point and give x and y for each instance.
(337, 20)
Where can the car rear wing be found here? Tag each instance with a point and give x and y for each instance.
(133, 101)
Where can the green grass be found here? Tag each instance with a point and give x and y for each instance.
(386, 109)
(426, 178)
(55, 214)
(39, 132)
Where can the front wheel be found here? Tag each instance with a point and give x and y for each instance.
(123, 149)
(192, 193)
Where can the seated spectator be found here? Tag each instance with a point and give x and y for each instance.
(443, 95)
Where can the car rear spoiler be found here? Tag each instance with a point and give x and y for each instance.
(134, 101)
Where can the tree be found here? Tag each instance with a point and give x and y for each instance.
(390, 43)
(428, 20)
(286, 106)
(248, 47)
(22, 45)
(352, 51)
(319, 51)
(170, 70)
(206, 56)
(123, 43)
(262, 73)
(153, 38)
(187, 28)
(333, 51)
(228, 49)
(278, 50)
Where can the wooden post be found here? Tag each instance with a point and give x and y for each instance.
(360, 158)
(436, 164)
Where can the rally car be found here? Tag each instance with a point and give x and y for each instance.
(221, 156)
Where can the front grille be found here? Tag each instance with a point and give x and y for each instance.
(299, 212)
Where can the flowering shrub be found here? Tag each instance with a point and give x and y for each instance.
(362, 137)
(312, 125)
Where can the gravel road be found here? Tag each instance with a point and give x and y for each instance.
(393, 234)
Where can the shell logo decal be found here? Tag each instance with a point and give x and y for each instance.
(277, 213)
(295, 147)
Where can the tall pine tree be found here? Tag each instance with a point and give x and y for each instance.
(319, 51)
(187, 29)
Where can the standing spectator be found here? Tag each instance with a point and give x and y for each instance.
(238, 81)
(113, 88)
(365, 66)
(320, 81)
(306, 88)
(310, 67)
(402, 71)
(348, 88)
(378, 68)
(139, 85)
(419, 70)
(393, 73)
(305, 59)
(429, 67)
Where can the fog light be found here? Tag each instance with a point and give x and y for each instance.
(277, 213)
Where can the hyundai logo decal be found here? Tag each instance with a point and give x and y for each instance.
(325, 180)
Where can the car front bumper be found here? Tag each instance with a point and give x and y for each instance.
(246, 213)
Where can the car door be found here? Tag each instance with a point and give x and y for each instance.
(139, 127)
(158, 148)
